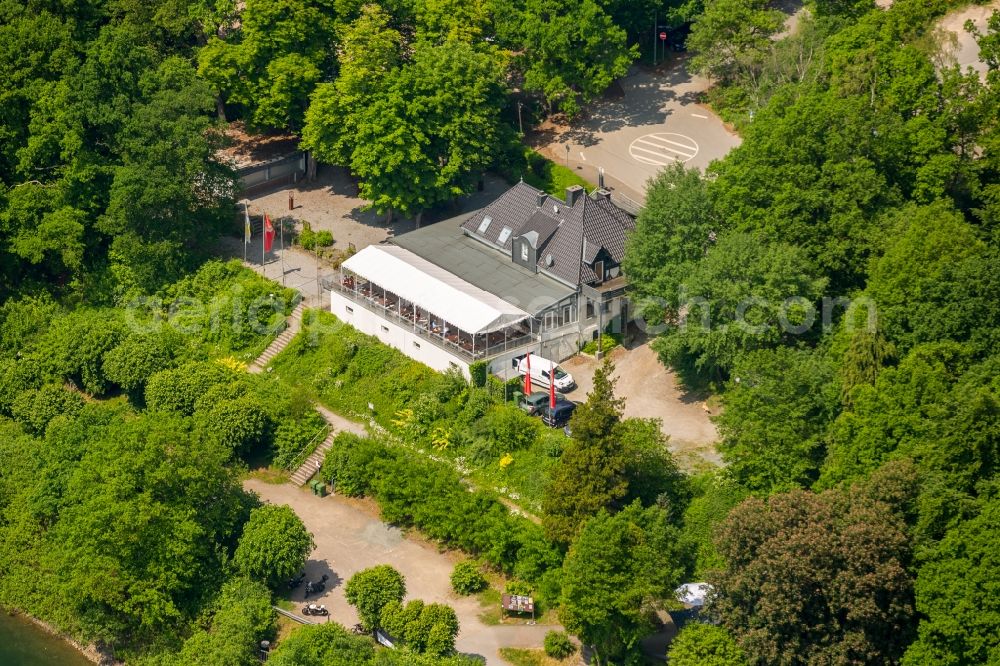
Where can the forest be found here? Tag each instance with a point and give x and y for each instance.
(868, 173)
(855, 519)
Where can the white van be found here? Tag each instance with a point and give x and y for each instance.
(542, 369)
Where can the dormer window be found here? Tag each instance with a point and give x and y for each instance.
(524, 250)
(485, 224)
(504, 235)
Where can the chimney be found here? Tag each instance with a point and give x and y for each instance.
(573, 194)
(604, 194)
(540, 201)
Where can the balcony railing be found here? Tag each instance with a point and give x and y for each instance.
(460, 343)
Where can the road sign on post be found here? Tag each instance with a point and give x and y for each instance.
(663, 36)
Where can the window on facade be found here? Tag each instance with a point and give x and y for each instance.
(524, 251)
(590, 309)
(349, 309)
(485, 224)
(504, 235)
(416, 344)
(385, 329)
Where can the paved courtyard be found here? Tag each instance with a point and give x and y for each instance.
(349, 538)
(654, 120)
(329, 203)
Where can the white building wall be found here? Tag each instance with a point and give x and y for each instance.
(394, 335)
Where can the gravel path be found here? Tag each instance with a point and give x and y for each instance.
(652, 391)
(348, 539)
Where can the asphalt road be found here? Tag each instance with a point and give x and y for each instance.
(656, 121)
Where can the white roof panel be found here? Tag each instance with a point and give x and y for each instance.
(433, 289)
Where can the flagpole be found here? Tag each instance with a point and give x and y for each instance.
(246, 229)
(263, 244)
(282, 253)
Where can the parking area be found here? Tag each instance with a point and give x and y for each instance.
(652, 118)
(350, 537)
(651, 390)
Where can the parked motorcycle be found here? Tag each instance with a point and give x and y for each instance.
(295, 581)
(359, 629)
(317, 587)
(313, 609)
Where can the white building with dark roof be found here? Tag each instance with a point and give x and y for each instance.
(528, 272)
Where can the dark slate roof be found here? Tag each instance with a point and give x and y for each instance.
(542, 225)
(444, 245)
(523, 208)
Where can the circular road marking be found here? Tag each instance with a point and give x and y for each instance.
(662, 148)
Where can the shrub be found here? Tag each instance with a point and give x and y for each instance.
(423, 628)
(479, 371)
(324, 238)
(510, 429)
(34, 409)
(351, 463)
(558, 645)
(307, 237)
(608, 342)
(291, 437)
(518, 588)
(466, 578)
(429, 495)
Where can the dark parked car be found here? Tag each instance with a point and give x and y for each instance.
(534, 404)
(558, 417)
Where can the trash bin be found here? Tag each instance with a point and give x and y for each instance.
(321, 489)
(314, 486)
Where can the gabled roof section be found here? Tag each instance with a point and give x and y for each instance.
(511, 209)
(569, 238)
(540, 224)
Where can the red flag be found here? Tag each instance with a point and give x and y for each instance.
(552, 389)
(527, 375)
(268, 233)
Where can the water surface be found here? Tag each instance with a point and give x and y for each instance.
(24, 644)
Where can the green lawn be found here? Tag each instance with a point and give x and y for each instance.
(541, 172)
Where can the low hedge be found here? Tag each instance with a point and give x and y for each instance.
(414, 491)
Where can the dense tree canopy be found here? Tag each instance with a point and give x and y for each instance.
(617, 572)
(816, 579)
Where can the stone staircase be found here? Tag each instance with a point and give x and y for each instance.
(280, 342)
(308, 468)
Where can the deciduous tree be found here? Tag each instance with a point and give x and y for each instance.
(274, 545)
(815, 579)
(371, 589)
(619, 569)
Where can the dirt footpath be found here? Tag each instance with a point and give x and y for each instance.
(348, 539)
(652, 391)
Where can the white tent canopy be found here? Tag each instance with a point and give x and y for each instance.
(432, 288)
(693, 594)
